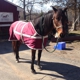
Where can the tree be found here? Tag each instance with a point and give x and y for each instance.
(28, 5)
(74, 6)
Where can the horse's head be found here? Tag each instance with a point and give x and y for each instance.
(60, 21)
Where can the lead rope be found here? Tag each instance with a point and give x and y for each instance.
(53, 49)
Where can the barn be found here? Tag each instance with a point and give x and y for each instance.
(9, 13)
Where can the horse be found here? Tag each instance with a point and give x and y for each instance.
(55, 20)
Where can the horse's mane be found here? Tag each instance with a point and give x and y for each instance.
(43, 20)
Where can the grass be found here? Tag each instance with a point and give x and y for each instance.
(74, 33)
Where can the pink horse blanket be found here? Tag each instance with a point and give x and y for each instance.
(25, 32)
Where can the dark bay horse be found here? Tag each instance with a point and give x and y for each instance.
(55, 20)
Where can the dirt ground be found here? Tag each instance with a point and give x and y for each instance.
(59, 65)
(72, 51)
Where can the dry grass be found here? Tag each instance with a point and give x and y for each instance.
(74, 33)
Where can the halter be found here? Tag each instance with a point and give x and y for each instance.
(57, 27)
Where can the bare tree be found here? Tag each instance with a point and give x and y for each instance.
(29, 4)
(74, 6)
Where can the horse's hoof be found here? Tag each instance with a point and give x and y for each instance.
(40, 67)
(17, 61)
(34, 72)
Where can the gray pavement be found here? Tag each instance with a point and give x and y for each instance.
(55, 66)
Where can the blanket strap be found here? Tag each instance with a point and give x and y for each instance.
(22, 33)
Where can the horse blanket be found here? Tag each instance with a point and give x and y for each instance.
(26, 33)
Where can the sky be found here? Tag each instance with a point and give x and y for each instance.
(37, 7)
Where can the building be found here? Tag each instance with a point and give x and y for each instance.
(9, 13)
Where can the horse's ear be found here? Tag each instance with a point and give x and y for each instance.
(54, 8)
(65, 9)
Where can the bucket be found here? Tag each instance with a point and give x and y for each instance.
(60, 46)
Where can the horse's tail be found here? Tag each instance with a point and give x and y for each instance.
(11, 32)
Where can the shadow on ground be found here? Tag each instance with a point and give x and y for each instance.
(6, 47)
(65, 71)
(69, 72)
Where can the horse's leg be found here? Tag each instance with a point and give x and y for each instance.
(33, 59)
(39, 57)
(16, 45)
